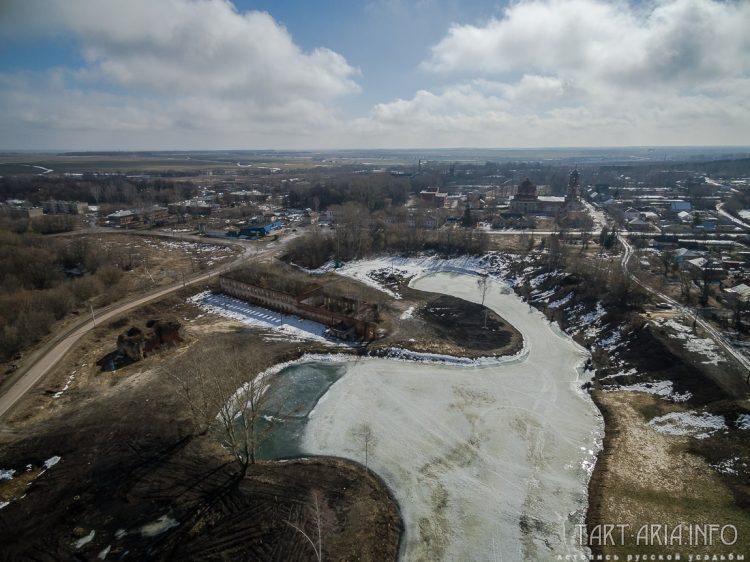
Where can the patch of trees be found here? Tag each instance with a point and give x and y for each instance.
(376, 191)
(95, 190)
(35, 291)
(737, 201)
(47, 224)
(227, 397)
(358, 235)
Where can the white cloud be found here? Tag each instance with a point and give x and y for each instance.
(173, 65)
(583, 73)
(200, 74)
(670, 42)
(536, 111)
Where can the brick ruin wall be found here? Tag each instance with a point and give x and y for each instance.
(289, 304)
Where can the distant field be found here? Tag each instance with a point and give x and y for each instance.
(24, 164)
(257, 162)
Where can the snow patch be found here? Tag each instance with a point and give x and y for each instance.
(6, 473)
(408, 313)
(292, 327)
(664, 389)
(728, 466)
(560, 302)
(85, 540)
(698, 425)
(400, 353)
(694, 344)
(52, 461)
(161, 525)
(71, 378)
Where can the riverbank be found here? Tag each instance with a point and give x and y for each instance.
(675, 449)
(103, 464)
(466, 489)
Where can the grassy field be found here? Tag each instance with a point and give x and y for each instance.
(160, 162)
(655, 479)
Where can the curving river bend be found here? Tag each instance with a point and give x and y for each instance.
(487, 463)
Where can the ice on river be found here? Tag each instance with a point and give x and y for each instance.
(486, 462)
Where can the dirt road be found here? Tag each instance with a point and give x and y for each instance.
(43, 359)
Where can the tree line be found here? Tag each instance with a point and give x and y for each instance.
(95, 190)
(357, 234)
(35, 290)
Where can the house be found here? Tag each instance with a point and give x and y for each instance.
(526, 201)
(122, 218)
(679, 205)
(696, 264)
(155, 215)
(738, 293)
(631, 214)
(433, 196)
(683, 254)
(703, 266)
(638, 225)
(193, 207)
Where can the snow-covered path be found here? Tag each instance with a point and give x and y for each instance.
(487, 463)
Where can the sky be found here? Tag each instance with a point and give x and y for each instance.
(295, 74)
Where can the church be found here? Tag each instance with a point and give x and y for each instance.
(567, 209)
(527, 202)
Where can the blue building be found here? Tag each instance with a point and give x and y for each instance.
(260, 231)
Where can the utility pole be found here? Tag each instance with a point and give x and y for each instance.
(93, 318)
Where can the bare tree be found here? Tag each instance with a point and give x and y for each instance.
(585, 239)
(365, 434)
(225, 394)
(667, 260)
(320, 518)
(484, 286)
(686, 284)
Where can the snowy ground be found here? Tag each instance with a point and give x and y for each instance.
(487, 462)
(288, 327)
(407, 267)
(699, 425)
(664, 389)
(702, 346)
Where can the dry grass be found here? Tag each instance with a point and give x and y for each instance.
(649, 478)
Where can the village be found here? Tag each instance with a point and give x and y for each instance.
(324, 280)
(688, 229)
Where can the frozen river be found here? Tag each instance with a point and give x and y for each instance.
(487, 463)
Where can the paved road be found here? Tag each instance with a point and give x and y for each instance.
(42, 360)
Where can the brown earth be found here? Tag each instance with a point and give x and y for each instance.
(129, 457)
(464, 324)
(153, 261)
(646, 478)
(643, 477)
(444, 324)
